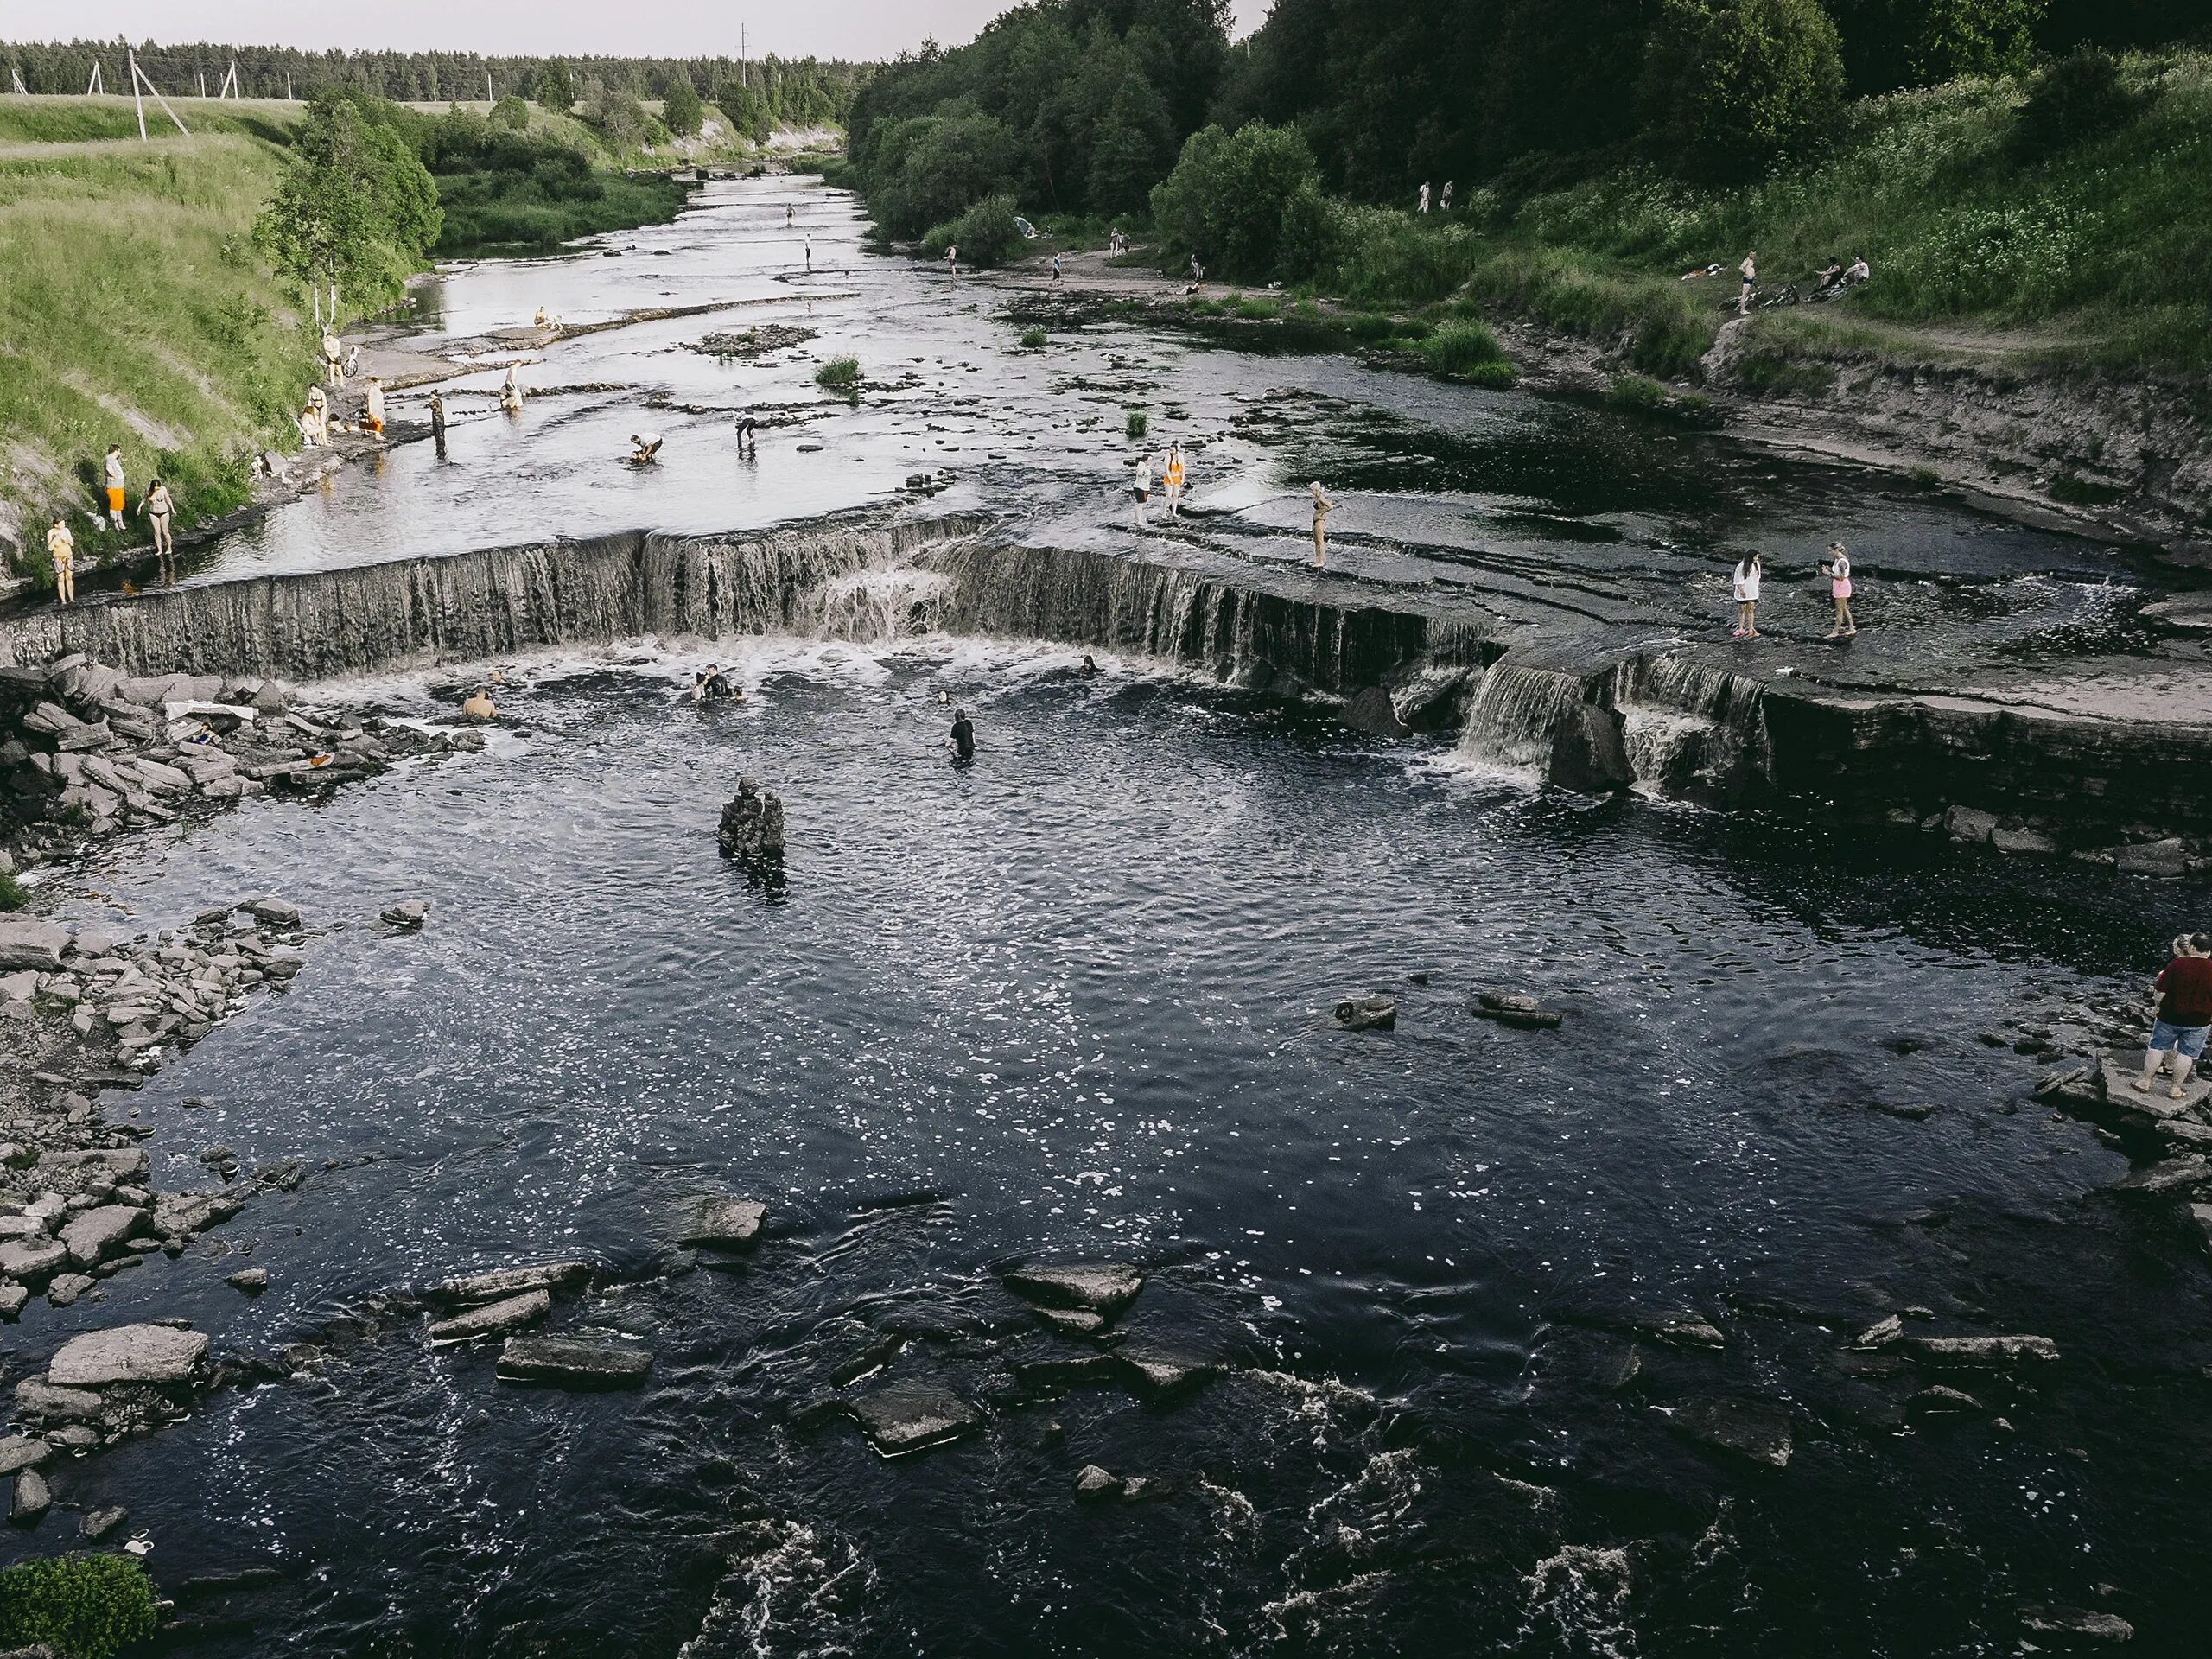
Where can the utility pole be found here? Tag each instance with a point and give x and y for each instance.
(136, 97)
(741, 80)
(16, 75)
(488, 99)
(138, 78)
(95, 85)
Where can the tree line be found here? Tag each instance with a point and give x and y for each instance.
(779, 91)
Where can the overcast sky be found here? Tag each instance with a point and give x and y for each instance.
(821, 29)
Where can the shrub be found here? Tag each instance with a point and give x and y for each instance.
(511, 113)
(1729, 85)
(82, 1606)
(2078, 98)
(985, 234)
(1469, 352)
(1392, 259)
(556, 86)
(1032, 340)
(841, 375)
(1227, 198)
(14, 895)
(1414, 328)
(681, 111)
(1256, 310)
(1636, 391)
(1370, 326)
(1137, 425)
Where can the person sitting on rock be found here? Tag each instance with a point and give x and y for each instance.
(2184, 1017)
(479, 707)
(753, 823)
(712, 685)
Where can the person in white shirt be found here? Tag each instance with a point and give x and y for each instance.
(1141, 483)
(115, 486)
(1747, 597)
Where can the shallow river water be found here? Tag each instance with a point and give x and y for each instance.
(1074, 1003)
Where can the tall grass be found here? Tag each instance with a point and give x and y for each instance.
(134, 309)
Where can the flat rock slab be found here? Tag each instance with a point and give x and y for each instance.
(1745, 1428)
(20, 1452)
(1103, 1287)
(33, 1260)
(1157, 1372)
(726, 1223)
(128, 1353)
(2174, 1175)
(1517, 1008)
(94, 1233)
(1369, 1013)
(29, 942)
(43, 1402)
(1982, 1350)
(502, 1282)
(901, 1422)
(2119, 1073)
(494, 1319)
(572, 1363)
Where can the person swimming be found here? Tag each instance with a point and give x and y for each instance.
(644, 446)
(963, 736)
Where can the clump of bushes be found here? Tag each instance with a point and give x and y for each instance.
(14, 895)
(841, 375)
(1241, 201)
(1032, 340)
(985, 235)
(2078, 98)
(1138, 424)
(1468, 351)
(82, 1606)
(1636, 391)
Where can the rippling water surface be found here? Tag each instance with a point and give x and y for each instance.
(1074, 1000)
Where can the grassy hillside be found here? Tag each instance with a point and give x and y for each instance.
(134, 309)
(2092, 253)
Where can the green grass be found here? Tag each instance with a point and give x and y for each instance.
(14, 895)
(85, 120)
(841, 375)
(1032, 340)
(134, 309)
(1138, 424)
(1468, 351)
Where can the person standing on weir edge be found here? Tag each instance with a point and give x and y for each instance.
(438, 422)
(1322, 508)
(2184, 1018)
(1748, 571)
(1173, 478)
(155, 509)
(1837, 568)
(115, 486)
(61, 548)
(963, 740)
(1141, 482)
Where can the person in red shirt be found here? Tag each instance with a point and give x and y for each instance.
(2184, 1016)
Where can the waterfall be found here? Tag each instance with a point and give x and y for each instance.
(877, 607)
(1691, 730)
(472, 606)
(1517, 715)
(1254, 629)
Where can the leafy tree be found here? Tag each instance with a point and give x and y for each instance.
(82, 1606)
(1730, 84)
(556, 86)
(1952, 38)
(2076, 99)
(511, 113)
(934, 167)
(1129, 148)
(682, 112)
(985, 234)
(1226, 199)
(359, 206)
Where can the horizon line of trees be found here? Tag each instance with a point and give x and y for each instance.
(780, 91)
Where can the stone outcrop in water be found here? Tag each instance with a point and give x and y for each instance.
(1368, 1012)
(753, 823)
(572, 1363)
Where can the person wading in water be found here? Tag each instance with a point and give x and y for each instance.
(963, 736)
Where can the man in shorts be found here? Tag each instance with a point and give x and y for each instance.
(1749, 270)
(115, 486)
(2184, 1016)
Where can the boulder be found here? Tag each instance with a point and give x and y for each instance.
(96, 1233)
(1969, 823)
(272, 913)
(2174, 1175)
(1681, 1330)
(1982, 1350)
(33, 1498)
(494, 1319)
(1103, 1287)
(1368, 1013)
(13, 1298)
(2160, 858)
(31, 942)
(1072, 1321)
(33, 1260)
(407, 916)
(250, 1280)
(21, 1451)
(2075, 1625)
(2021, 841)
(1092, 1482)
(572, 1363)
(1157, 1372)
(900, 1421)
(501, 1283)
(1517, 1008)
(1941, 1401)
(1373, 712)
(64, 1289)
(128, 1353)
(97, 1523)
(726, 1223)
(1590, 751)
(1746, 1428)
(42, 1402)
(1881, 1333)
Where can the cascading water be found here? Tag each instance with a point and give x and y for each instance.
(1691, 730)
(1517, 715)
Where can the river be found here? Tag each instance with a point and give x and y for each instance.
(1073, 1003)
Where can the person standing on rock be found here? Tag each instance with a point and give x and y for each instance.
(1749, 270)
(372, 409)
(438, 422)
(952, 258)
(1444, 201)
(115, 486)
(319, 406)
(61, 548)
(334, 357)
(1173, 478)
(156, 510)
(1748, 571)
(1140, 482)
(1056, 267)
(1322, 508)
(1837, 568)
(2184, 1018)
(963, 740)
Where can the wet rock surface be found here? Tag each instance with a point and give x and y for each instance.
(573, 1363)
(899, 1421)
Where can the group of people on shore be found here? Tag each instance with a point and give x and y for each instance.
(1836, 279)
(1750, 571)
(1173, 475)
(156, 506)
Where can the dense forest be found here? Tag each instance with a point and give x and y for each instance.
(782, 93)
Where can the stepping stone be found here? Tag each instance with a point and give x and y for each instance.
(2118, 1072)
(1517, 1008)
(726, 1223)
(572, 1363)
(494, 1319)
(503, 1282)
(1760, 1433)
(1157, 1373)
(128, 1353)
(901, 1422)
(1103, 1287)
